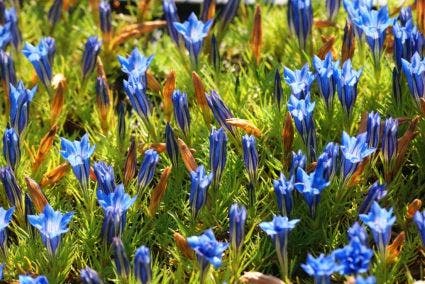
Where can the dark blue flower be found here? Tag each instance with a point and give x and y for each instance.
(396, 84)
(330, 155)
(136, 92)
(277, 89)
(299, 80)
(20, 99)
(283, 189)
(380, 221)
(102, 92)
(300, 20)
(55, 12)
(135, 66)
(220, 111)
(181, 111)
(229, 12)
(13, 192)
(121, 111)
(5, 36)
(105, 17)
(23, 279)
(405, 15)
(2, 12)
(346, 82)
(5, 218)
(375, 193)
(170, 12)
(200, 181)
(354, 258)
(78, 155)
(11, 148)
(325, 77)
(373, 129)
(147, 169)
(51, 224)
(12, 21)
(40, 60)
(250, 156)
(171, 144)
(7, 68)
(321, 268)
(389, 140)
(142, 265)
(237, 218)
(419, 219)
(299, 160)
(120, 258)
(193, 32)
(91, 50)
(105, 177)
(407, 40)
(89, 276)
(415, 72)
(218, 153)
(332, 7)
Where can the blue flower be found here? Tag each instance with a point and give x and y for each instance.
(1, 270)
(136, 92)
(120, 258)
(11, 148)
(7, 68)
(229, 12)
(20, 99)
(250, 156)
(50, 44)
(23, 279)
(171, 144)
(142, 265)
(332, 7)
(380, 221)
(208, 250)
(375, 193)
(283, 189)
(218, 153)
(325, 77)
(346, 82)
(354, 258)
(353, 10)
(5, 36)
(105, 17)
(354, 150)
(135, 66)
(13, 192)
(5, 218)
(407, 40)
(55, 12)
(91, 50)
(330, 155)
(105, 177)
(396, 80)
(357, 232)
(415, 72)
(12, 21)
(115, 206)
(366, 280)
(419, 219)
(321, 268)
(170, 12)
(39, 58)
(147, 169)
(237, 218)
(102, 93)
(89, 276)
(277, 89)
(405, 15)
(373, 129)
(51, 224)
(389, 141)
(300, 20)
(200, 181)
(220, 111)
(78, 155)
(299, 80)
(299, 160)
(193, 32)
(181, 111)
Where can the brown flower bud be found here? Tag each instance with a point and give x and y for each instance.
(187, 157)
(348, 42)
(59, 85)
(183, 246)
(44, 147)
(130, 162)
(153, 83)
(55, 175)
(287, 133)
(167, 92)
(414, 206)
(159, 147)
(254, 277)
(37, 196)
(159, 191)
(246, 125)
(256, 35)
(200, 97)
(393, 250)
(328, 45)
(135, 30)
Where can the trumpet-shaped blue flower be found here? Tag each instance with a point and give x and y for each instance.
(375, 193)
(389, 140)
(331, 155)
(325, 77)
(321, 268)
(200, 181)
(283, 189)
(50, 44)
(299, 80)
(332, 7)
(142, 265)
(352, 7)
(5, 218)
(51, 224)
(237, 218)
(136, 92)
(357, 232)
(13, 192)
(299, 160)
(23, 279)
(405, 15)
(170, 12)
(89, 276)
(5, 36)
(147, 169)
(181, 111)
(122, 264)
(250, 156)
(407, 40)
(39, 58)
(91, 50)
(220, 111)
(218, 153)
(373, 129)
(415, 72)
(7, 68)
(105, 177)
(105, 17)
(20, 99)
(55, 12)
(354, 150)
(12, 21)
(136, 66)
(300, 20)
(380, 221)
(419, 219)
(346, 82)
(11, 148)
(193, 32)
(171, 144)
(78, 155)
(354, 258)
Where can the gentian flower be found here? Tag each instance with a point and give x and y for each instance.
(181, 111)
(89, 276)
(103, 99)
(346, 83)
(299, 80)
(278, 230)
(321, 268)
(136, 92)
(208, 250)
(380, 221)
(299, 160)
(142, 265)
(51, 224)
(20, 99)
(11, 148)
(12, 22)
(283, 189)
(5, 218)
(200, 181)
(357, 232)
(373, 129)
(389, 141)
(170, 12)
(115, 206)
(277, 90)
(353, 10)
(1, 270)
(414, 72)
(23, 279)
(348, 42)
(332, 7)
(105, 177)
(405, 15)
(13, 192)
(120, 258)
(376, 192)
(7, 68)
(40, 60)
(331, 155)
(105, 17)
(354, 258)
(229, 12)
(419, 219)
(237, 219)
(147, 169)
(78, 154)
(300, 20)
(5, 36)
(354, 150)
(302, 112)
(250, 156)
(50, 44)
(220, 111)
(171, 144)
(91, 50)
(325, 77)
(55, 12)
(407, 40)
(218, 154)
(193, 32)
(136, 66)
(396, 80)
(368, 280)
